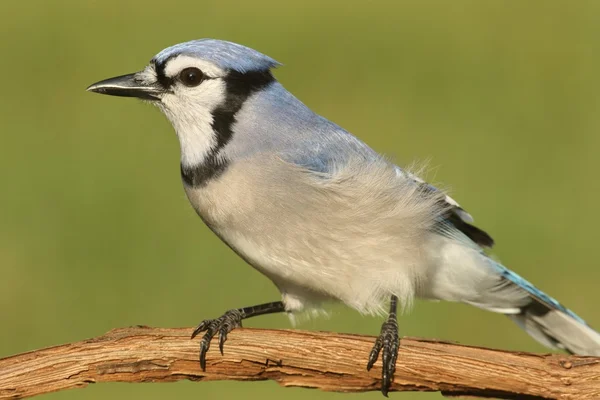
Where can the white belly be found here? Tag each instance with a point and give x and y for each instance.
(317, 240)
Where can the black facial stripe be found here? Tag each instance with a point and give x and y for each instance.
(200, 174)
(238, 87)
(161, 77)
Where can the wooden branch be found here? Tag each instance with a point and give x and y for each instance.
(327, 361)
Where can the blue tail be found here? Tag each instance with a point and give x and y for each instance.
(546, 320)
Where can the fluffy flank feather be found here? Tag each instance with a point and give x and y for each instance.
(455, 215)
(364, 190)
(284, 231)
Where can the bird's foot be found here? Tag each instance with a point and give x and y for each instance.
(223, 325)
(389, 342)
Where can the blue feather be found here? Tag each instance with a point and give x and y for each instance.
(533, 291)
(226, 55)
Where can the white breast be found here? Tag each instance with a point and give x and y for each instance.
(355, 241)
(190, 113)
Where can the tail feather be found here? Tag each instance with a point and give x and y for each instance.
(463, 272)
(558, 330)
(549, 322)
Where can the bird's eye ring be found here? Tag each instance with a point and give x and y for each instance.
(191, 77)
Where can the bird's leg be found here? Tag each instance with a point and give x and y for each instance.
(388, 341)
(227, 322)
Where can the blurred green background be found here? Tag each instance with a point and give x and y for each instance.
(503, 97)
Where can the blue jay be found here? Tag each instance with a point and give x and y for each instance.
(319, 212)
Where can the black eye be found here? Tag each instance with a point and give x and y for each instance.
(191, 77)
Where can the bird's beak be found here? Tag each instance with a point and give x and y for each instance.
(128, 86)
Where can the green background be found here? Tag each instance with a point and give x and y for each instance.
(503, 98)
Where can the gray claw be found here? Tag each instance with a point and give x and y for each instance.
(204, 346)
(387, 343)
(202, 326)
(374, 353)
(224, 324)
(222, 337)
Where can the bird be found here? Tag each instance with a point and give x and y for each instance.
(319, 212)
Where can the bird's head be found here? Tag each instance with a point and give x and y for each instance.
(200, 85)
(196, 73)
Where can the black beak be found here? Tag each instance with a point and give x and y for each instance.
(128, 86)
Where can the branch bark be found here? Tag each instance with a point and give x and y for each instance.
(327, 361)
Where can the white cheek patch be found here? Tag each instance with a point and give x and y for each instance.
(190, 112)
(210, 94)
(177, 64)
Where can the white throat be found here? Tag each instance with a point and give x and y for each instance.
(192, 119)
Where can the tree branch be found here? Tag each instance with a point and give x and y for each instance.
(327, 361)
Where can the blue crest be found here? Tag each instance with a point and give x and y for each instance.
(226, 55)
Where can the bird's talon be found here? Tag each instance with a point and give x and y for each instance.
(202, 326)
(387, 344)
(223, 325)
(222, 338)
(203, 349)
(374, 353)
